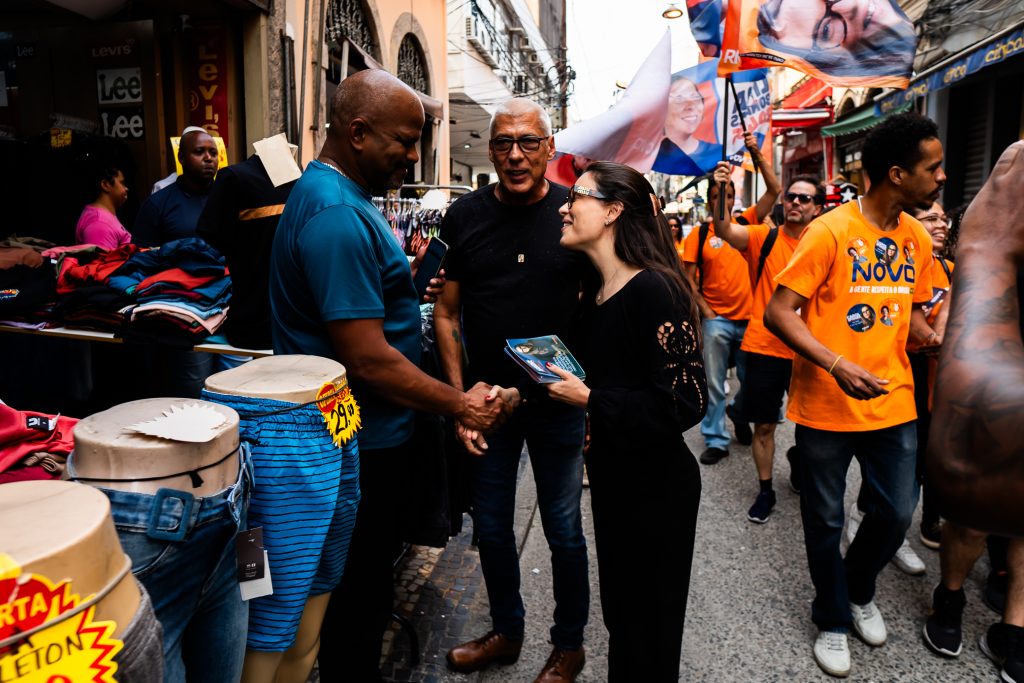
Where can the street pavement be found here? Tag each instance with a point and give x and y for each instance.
(749, 611)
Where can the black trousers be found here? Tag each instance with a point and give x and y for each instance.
(645, 521)
(360, 607)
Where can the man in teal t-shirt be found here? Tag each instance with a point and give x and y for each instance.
(341, 287)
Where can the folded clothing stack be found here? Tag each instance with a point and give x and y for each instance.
(27, 286)
(181, 290)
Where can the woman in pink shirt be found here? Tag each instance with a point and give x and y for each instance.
(98, 223)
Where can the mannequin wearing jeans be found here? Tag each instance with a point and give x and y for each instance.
(56, 530)
(177, 506)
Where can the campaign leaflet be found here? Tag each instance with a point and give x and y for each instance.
(534, 353)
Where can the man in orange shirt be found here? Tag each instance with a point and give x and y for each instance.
(852, 391)
(769, 361)
(719, 275)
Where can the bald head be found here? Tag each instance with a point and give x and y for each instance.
(373, 95)
(520, 107)
(376, 124)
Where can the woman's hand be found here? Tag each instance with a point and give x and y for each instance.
(570, 390)
(509, 396)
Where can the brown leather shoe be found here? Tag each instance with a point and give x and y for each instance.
(563, 666)
(490, 647)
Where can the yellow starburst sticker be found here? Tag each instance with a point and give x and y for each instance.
(340, 411)
(75, 649)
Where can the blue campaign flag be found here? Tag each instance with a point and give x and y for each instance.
(693, 124)
(706, 25)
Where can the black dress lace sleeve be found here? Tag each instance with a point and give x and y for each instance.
(671, 394)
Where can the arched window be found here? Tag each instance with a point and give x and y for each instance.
(349, 19)
(412, 65)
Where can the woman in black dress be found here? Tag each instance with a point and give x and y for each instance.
(638, 340)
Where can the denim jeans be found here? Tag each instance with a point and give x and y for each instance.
(182, 550)
(722, 339)
(887, 457)
(554, 437)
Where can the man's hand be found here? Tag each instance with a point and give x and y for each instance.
(570, 390)
(480, 411)
(932, 345)
(857, 382)
(750, 142)
(436, 285)
(722, 173)
(472, 440)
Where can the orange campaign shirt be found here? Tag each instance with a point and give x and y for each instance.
(757, 338)
(726, 279)
(860, 283)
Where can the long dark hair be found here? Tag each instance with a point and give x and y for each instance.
(642, 236)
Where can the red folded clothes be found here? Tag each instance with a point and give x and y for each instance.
(24, 433)
(74, 274)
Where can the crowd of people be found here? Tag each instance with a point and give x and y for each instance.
(844, 311)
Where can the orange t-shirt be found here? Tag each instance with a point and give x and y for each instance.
(726, 280)
(860, 288)
(757, 338)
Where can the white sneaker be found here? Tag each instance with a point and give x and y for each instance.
(908, 561)
(853, 523)
(832, 653)
(868, 623)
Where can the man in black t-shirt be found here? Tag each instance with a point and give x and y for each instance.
(508, 277)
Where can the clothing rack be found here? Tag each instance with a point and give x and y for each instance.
(412, 224)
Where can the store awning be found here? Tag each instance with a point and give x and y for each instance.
(865, 119)
(810, 92)
(800, 118)
(967, 62)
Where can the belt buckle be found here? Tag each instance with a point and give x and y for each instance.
(187, 500)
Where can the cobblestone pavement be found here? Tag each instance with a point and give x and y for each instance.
(749, 612)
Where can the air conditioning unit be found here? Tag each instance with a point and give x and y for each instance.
(533, 59)
(523, 43)
(479, 37)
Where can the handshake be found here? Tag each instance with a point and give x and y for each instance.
(484, 409)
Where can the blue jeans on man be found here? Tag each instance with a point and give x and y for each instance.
(554, 437)
(888, 460)
(722, 338)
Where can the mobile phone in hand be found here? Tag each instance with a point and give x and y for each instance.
(430, 266)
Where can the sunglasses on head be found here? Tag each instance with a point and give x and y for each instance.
(799, 197)
(529, 143)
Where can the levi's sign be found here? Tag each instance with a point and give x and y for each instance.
(119, 86)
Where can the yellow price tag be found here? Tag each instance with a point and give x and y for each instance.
(72, 650)
(340, 411)
(60, 137)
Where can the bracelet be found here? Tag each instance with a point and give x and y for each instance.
(834, 363)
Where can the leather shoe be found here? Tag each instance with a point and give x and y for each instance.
(488, 648)
(563, 666)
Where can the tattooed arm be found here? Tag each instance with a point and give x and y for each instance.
(976, 444)
(448, 331)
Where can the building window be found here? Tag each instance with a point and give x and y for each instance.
(347, 19)
(412, 64)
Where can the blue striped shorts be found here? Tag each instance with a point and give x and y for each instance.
(305, 496)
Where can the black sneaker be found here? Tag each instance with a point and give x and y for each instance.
(994, 594)
(931, 534)
(942, 632)
(794, 477)
(744, 435)
(712, 455)
(1004, 645)
(762, 507)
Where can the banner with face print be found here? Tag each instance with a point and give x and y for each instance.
(706, 17)
(842, 42)
(693, 125)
